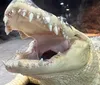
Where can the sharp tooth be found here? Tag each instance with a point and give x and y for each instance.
(5, 20)
(63, 33)
(24, 13)
(7, 31)
(41, 62)
(59, 53)
(50, 27)
(13, 11)
(31, 45)
(56, 30)
(38, 16)
(19, 10)
(31, 15)
(66, 37)
(4, 63)
(47, 20)
(67, 23)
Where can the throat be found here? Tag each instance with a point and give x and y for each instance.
(48, 46)
(47, 55)
(45, 47)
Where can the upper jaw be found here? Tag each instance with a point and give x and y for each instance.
(33, 17)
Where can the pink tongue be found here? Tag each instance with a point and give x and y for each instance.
(48, 54)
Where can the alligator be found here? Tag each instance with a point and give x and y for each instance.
(58, 55)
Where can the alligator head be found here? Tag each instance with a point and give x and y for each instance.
(56, 47)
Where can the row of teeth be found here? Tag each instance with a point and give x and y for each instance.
(44, 19)
(9, 65)
(40, 63)
(64, 34)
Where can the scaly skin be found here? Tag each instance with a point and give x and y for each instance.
(77, 66)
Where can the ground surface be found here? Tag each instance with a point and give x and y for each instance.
(8, 49)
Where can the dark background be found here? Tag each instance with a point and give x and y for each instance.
(53, 6)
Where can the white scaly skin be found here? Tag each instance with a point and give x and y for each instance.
(78, 66)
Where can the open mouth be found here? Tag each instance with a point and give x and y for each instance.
(55, 44)
(45, 47)
(48, 42)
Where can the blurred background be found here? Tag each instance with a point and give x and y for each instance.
(83, 14)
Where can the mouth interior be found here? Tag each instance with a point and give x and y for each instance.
(48, 54)
(46, 46)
